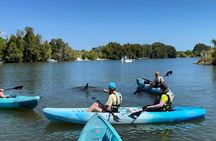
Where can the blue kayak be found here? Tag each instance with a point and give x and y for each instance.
(26, 102)
(98, 129)
(81, 116)
(146, 87)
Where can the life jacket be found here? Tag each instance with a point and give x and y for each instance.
(158, 81)
(170, 96)
(115, 106)
(168, 105)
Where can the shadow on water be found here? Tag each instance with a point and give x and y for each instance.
(158, 131)
(144, 134)
(53, 127)
(22, 114)
(68, 131)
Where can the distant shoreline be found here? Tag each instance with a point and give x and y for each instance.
(204, 61)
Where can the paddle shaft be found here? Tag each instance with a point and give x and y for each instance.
(167, 74)
(104, 107)
(115, 117)
(14, 88)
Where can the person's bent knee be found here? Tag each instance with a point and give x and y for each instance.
(95, 104)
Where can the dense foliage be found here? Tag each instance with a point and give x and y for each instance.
(116, 51)
(26, 46)
(187, 53)
(2, 46)
(208, 57)
(199, 48)
(214, 52)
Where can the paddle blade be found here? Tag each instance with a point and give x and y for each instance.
(138, 91)
(135, 115)
(18, 87)
(168, 73)
(116, 118)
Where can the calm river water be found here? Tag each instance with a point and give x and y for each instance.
(57, 84)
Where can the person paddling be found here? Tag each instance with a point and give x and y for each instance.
(158, 81)
(113, 102)
(162, 103)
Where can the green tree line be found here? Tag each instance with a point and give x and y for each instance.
(207, 53)
(214, 52)
(116, 51)
(197, 51)
(26, 46)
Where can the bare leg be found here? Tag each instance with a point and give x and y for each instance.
(95, 107)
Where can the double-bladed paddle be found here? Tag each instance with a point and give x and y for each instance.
(167, 74)
(14, 88)
(115, 117)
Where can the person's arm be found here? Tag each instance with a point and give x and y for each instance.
(109, 102)
(163, 101)
(154, 82)
(161, 104)
(108, 108)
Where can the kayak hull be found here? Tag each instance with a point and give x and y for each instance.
(146, 87)
(19, 102)
(81, 116)
(98, 128)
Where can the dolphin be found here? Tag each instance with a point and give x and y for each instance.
(88, 89)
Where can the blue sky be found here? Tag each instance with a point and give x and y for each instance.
(85, 24)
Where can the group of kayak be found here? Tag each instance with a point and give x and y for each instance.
(99, 116)
(161, 111)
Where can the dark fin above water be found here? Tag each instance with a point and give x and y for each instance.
(86, 86)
